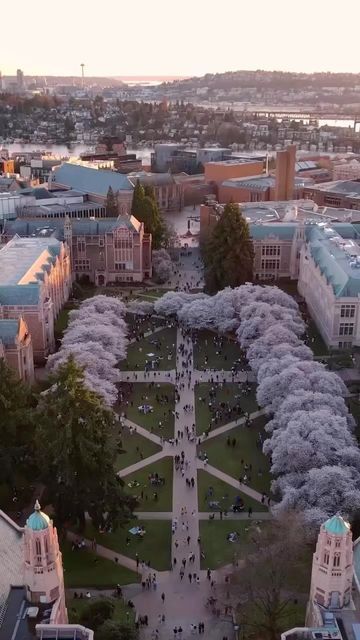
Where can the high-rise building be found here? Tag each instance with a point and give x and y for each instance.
(20, 78)
(285, 173)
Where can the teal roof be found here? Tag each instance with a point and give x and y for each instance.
(335, 250)
(38, 521)
(88, 180)
(55, 227)
(8, 331)
(337, 526)
(280, 230)
(27, 294)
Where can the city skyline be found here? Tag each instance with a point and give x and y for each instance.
(156, 42)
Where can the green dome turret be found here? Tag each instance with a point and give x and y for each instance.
(38, 521)
(337, 526)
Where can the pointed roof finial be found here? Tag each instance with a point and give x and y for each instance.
(37, 505)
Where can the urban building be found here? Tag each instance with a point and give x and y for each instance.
(16, 348)
(6, 164)
(38, 169)
(258, 189)
(168, 192)
(95, 183)
(104, 251)
(339, 193)
(41, 203)
(32, 593)
(35, 281)
(124, 163)
(224, 170)
(347, 170)
(285, 173)
(20, 79)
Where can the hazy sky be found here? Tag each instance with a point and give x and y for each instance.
(184, 37)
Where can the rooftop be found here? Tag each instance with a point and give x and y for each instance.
(9, 330)
(23, 261)
(336, 251)
(54, 228)
(261, 182)
(89, 180)
(11, 558)
(341, 187)
(38, 521)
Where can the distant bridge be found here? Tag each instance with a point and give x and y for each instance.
(301, 115)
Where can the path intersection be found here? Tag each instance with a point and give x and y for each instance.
(185, 603)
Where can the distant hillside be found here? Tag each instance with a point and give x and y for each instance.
(269, 79)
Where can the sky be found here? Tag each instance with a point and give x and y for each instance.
(183, 38)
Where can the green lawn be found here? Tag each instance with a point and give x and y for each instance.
(164, 468)
(217, 549)
(154, 547)
(76, 606)
(221, 352)
(225, 393)
(223, 493)
(162, 344)
(84, 569)
(141, 393)
(228, 459)
(141, 324)
(135, 447)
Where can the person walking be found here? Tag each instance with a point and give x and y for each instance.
(163, 597)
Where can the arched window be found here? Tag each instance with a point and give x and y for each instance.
(326, 558)
(38, 547)
(336, 559)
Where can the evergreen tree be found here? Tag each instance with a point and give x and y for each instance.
(16, 423)
(111, 204)
(229, 253)
(138, 197)
(75, 439)
(145, 209)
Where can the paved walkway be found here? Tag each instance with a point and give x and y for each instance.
(204, 515)
(252, 493)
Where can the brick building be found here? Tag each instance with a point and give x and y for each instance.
(35, 281)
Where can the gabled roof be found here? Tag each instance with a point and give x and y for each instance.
(89, 180)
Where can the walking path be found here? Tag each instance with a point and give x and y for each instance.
(185, 598)
(204, 515)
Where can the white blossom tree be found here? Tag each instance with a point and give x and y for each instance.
(162, 265)
(96, 338)
(310, 439)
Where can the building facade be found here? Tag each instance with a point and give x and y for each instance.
(35, 282)
(16, 348)
(104, 251)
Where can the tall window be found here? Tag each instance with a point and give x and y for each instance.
(38, 547)
(347, 311)
(346, 329)
(326, 557)
(337, 560)
(270, 250)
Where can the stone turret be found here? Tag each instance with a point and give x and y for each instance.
(332, 568)
(43, 571)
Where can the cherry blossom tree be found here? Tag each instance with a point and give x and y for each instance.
(96, 338)
(162, 265)
(310, 439)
